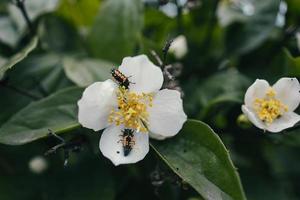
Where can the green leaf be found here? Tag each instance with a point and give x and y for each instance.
(86, 71)
(224, 87)
(244, 37)
(18, 57)
(79, 12)
(199, 157)
(116, 29)
(58, 35)
(56, 112)
(292, 64)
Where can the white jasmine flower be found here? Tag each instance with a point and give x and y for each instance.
(38, 164)
(179, 47)
(272, 108)
(142, 108)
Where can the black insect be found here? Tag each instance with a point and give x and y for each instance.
(122, 80)
(127, 140)
(74, 145)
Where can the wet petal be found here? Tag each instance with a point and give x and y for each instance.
(143, 74)
(166, 116)
(111, 146)
(96, 104)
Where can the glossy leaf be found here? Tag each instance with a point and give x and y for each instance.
(56, 112)
(84, 72)
(18, 57)
(116, 30)
(199, 157)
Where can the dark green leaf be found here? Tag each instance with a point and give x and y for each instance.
(58, 35)
(18, 57)
(224, 87)
(116, 29)
(56, 112)
(199, 157)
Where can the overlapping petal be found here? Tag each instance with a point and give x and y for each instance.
(166, 116)
(111, 146)
(144, 75)
(285, 121)
(250, 114)
(95, 105)
(288, 92)
(256, 90)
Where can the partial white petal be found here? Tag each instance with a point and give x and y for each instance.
(257, 90)
(253, 117)
(288, 92)
(156, 136)
(166, 116)
(285, 121)
(112, 148)
(96, 104)
(144, 75)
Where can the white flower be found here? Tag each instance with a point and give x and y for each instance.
(272, 107)
(143, 108)
(179, 47)
(38, 164)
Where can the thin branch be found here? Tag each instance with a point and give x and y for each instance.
(20, 4)
(165, 52)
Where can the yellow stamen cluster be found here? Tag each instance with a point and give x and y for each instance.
(269, 108)
(132, 110)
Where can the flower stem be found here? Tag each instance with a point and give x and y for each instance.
(20, 4)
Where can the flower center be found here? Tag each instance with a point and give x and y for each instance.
(269, 108)
(132, 110)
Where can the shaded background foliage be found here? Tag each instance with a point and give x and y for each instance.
(230, 44)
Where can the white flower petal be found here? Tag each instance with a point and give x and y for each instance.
(144, 75)
(288, 92)
(285, 121)
(166, 116)
(156, 136)
(96, 104)
(257, 90)
(112, 148)
(253, 117)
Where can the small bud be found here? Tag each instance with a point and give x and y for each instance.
(179, 47)
(38, 164)
(243, 121)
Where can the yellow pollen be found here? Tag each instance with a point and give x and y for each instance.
(132, 110)
(269, 108)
